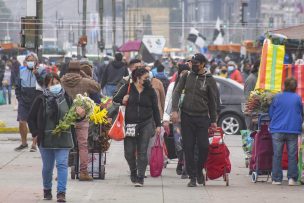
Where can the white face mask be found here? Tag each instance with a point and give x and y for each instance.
(7, 68)
(150, 75)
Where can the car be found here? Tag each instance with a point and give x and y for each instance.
(231, 118)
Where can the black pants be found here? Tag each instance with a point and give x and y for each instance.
(136, 149)
(195, 132)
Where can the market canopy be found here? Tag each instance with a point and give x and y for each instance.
(294, 32)
(130, 46)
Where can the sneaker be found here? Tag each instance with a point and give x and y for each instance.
(276, 182)
(139, 182)
(200, 178)
(84, 176)
(33, 149)
(133, 177)
(21, 147)
(292, 182)
(61, 197)
(179, 169)
(192, 182)
(47, 194)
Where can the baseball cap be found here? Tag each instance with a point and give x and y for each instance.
(199, 58)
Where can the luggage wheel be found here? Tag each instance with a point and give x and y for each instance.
(227, 179)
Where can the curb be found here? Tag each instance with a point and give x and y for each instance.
(9, 130)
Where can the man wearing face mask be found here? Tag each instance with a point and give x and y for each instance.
(28, 79)
(198, 111)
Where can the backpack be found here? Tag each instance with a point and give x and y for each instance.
(165, 83)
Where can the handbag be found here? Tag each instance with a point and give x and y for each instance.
(117, 131)
(157, 157)
(131, 130)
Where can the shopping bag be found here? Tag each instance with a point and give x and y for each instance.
(157, 157)
(271, 67)
(296, 71)
(117, 131)
(2, 98)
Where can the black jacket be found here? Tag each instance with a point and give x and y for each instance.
(141, 107)
(201, 95)
(113, 73)
(36, 120)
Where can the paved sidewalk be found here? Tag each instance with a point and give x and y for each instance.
(20, 182)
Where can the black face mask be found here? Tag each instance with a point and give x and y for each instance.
(224, 71)
(195, 68)
(147, 83)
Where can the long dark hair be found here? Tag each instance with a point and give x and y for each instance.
(137, 73)
(49, 78)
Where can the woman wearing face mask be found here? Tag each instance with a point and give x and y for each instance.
(234, 73)
(141, 109)
(46, 111)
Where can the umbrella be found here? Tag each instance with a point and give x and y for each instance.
(130, 46)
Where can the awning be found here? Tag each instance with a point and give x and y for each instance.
(294, 32)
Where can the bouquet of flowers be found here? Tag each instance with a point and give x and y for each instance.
(99, 116)
(71, 116)
(259, 101)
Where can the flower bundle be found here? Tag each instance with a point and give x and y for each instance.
(71, 116)
(99, 116)
(259, 101)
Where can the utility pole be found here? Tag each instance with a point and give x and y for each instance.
(123, 21)
(39, 27)
(183, 25)
(84, 24)
(114, 25)
(102, 41)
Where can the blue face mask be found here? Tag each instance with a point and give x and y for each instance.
(56, 89)
(230, 69)
(30, 64)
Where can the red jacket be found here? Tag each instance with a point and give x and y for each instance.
(236, 76)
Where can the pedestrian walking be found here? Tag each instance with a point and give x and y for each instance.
(180, 168)
(141, 110)
(286, 114)
(7, 82)
(162, 77)
(198, 110)
(28, 86)
(46, 112)
(234, 73)
(113, 73)
(73, 83)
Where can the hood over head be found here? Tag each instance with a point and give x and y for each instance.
(71, 79)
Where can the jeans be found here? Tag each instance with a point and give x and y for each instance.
(82, 133)
(136, 149)
(109, 90)
(195, 133)
(278, 141)
(7, 89)
(49, 156)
